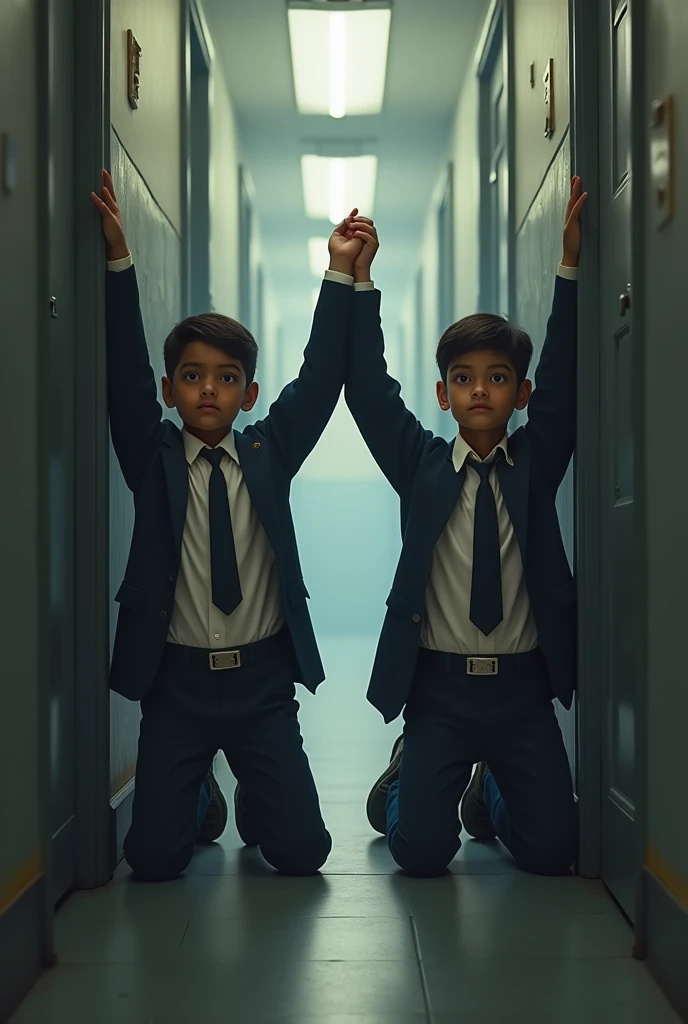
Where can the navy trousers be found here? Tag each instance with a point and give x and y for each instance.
(454, 720)
(250, 713)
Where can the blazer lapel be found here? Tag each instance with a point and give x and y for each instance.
(177, 478)
(514, 482)
(254, 459)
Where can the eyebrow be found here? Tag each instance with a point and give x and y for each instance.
(492, 366)
(220, 366)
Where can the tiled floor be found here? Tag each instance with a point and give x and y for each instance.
(233, 943)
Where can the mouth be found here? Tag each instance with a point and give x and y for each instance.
(208, 407)
(480, 408)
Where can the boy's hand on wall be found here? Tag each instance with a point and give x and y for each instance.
(113, 228)
(572, 229)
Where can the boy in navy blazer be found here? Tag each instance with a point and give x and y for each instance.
(480, 630)
(213, 627)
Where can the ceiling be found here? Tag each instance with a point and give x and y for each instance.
(431, 44)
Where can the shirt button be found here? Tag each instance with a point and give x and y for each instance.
(217, 636)
(416, 618)
(163, 614)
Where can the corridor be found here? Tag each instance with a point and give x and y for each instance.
(233, 942)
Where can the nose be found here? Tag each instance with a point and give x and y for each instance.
(208, 387)
(479, 391)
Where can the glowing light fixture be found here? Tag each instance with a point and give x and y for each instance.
(318, 256)
(339, 58)
(333, 186)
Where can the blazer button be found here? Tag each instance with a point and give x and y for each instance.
(163, 614)
(256, 444)
(416, 618)
(171, 578)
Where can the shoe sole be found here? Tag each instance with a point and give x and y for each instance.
(208, 833)
(481, 831)
(376, 805)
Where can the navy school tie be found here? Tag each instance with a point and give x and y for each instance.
(226, 588)
(486, 587)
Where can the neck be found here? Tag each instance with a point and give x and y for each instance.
(482, 441)
(210, 438)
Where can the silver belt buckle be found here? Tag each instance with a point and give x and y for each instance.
(221, 660)
(482, 666)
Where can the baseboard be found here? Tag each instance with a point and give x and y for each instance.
(666, 922)
(21, 953)
(120, 820)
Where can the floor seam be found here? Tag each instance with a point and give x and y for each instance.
(421, 972)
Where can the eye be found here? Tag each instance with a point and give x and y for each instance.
(498, 378)
(462, 378)
(228, 378)
(191, 375)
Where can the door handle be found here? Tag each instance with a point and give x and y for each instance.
(625, 301)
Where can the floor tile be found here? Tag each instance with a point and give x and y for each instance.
(485, 991)
(244, 990)
(298, 939)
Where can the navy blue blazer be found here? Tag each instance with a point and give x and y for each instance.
(150, 451)
(419, 466)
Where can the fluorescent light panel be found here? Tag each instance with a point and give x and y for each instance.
(339, 60)
(318, 256)
(333, 186)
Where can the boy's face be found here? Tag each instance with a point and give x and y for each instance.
(482, 390)
(208, 391)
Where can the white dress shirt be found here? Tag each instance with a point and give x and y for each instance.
(196, 622)
(447, 626)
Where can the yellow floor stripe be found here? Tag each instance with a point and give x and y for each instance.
(20, 879)
(668, 876)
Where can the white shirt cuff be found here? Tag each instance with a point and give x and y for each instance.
(334, 275)
(364, 286)
(123, 264)
(569, 273)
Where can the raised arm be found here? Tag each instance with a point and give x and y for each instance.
(551, 425)
(392, 433)
(133, 407)
(297, 418)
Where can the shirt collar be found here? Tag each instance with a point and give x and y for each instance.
(193, 447)
(463, 451)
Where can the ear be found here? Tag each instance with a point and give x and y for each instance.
(523, 394)
(167, 393)
(442, 396)
(251, 396)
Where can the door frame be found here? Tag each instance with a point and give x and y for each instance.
(92, 606)
(500, 16)
(585, 60)
(192, 17)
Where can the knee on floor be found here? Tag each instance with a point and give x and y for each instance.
(157, 865)
(424, 857)
(301, 858)
(551, 857)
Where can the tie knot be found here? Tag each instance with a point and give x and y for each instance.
(483, 469)
(213, 456)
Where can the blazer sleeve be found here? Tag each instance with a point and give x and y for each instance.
(551, 425)
(394, 436)
(133, 407)
(297, 418)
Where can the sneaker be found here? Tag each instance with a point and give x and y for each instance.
(474, 814)
(376, 808)
(215, 820)
(240, 819)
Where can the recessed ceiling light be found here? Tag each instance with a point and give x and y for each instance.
(333, 186)
(339, 58)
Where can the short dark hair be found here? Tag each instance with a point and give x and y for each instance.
(221, 331)
(487, 332)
